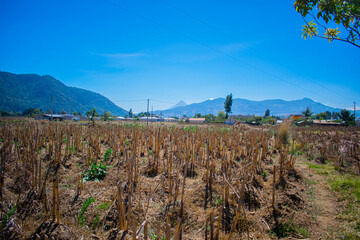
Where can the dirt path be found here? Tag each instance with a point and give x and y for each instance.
(323, 203)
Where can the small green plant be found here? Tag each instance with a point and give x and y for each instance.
(264, 174)
(314, 166)
(96, 221)
(218, 201)
(311, 194)
(67, 186)
(64, 140)
(86, 203)
(310, 181)
(72, 149)
(11, 211)
(103, 206)
(107, 155)
(96, 172)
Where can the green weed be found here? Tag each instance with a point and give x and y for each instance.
(347, 184)
(103, 206)
(86, 203)
(107, 155)
(288, 229)
(96, 172)
(96, 221)
(310, 193)
(10, 212)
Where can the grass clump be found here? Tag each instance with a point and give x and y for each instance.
(347, 184)
(86, 203)
(103, 206)
(4, 221)
(283, 134)
(96, 221)
(289, 229)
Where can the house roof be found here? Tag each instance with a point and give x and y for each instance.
(54, 115)
(197, 119)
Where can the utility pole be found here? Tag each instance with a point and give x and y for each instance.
(147, 114)
(355, 110)
(52, 108)
(69, 108)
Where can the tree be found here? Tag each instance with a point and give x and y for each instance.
(307, 113)
(335, 115)
(227, 105)
(328, 114)
(347, 117)
(209, 118)
(92, 114)
(130, 113)
(321, 116)
(106, 115)
(258, 120)
(4, 113)
(324, 13)
(31, 112)
(221, 116)
(75, 113)
(267, 113)
(197, 115)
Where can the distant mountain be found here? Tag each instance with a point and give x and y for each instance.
(21, 91)
(247, 107)
(179, 104)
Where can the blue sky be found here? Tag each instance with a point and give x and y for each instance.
(170, 50)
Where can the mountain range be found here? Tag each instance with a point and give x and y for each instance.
(22, 91)
(248, 107)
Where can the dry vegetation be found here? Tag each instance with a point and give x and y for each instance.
(127, 181)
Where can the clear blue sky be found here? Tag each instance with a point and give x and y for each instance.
(177, 50)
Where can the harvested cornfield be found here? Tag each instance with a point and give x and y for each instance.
(129, 181)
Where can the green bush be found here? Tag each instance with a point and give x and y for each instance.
(95, 172)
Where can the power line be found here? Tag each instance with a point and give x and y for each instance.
(215, 49)
(129, 100)
(234, 39)
(199, 20)
(161, 101)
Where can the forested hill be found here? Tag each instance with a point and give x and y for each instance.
(22, 91)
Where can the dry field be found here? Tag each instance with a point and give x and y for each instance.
(127, 181)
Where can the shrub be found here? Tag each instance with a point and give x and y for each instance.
(95, 172)
(283, 135)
